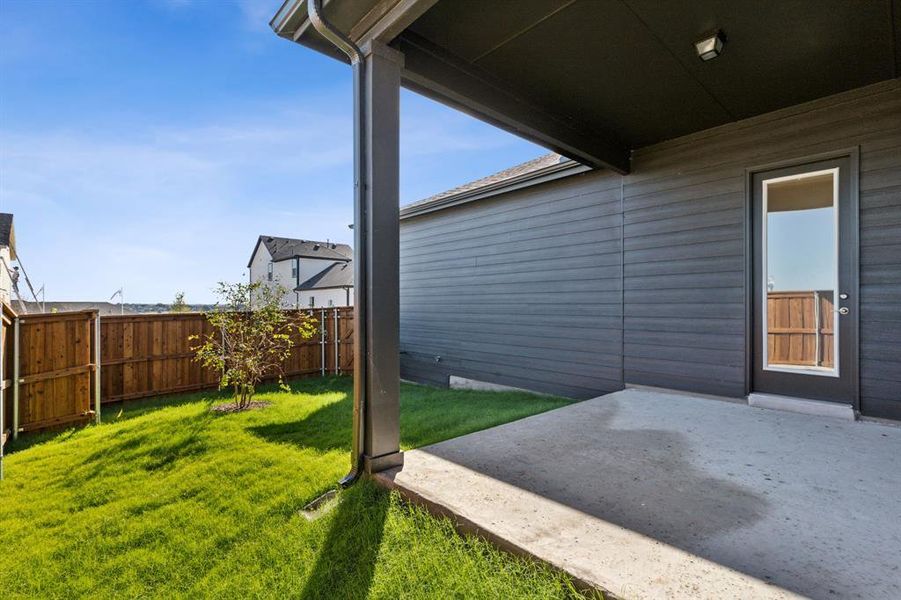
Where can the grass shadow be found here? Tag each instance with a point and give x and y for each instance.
(427, 415)
(152, 449)
(125, 410)
(28, 440)
(328, 428)
(345, 565)
(116, 412)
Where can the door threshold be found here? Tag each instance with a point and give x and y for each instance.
(805, 406)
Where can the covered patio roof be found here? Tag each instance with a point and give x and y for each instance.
(694, 500)
(594, 80)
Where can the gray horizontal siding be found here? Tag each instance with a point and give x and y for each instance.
(880, 293)
(566, 287)
(684, 258)
(523, 289)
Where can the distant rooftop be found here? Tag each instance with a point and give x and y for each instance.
(550, 165)
(7, 234)
(338, 275)
(281, 248)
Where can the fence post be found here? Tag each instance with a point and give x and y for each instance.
(2, 389)
(224, 351)
(97, 368)
(16, 379)
(337, 341)
(322, 342)
(816, 320)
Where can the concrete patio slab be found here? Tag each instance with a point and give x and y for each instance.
(657, 495)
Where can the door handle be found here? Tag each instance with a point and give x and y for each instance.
(843, 310)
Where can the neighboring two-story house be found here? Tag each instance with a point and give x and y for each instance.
(7, 255)
(316, 274)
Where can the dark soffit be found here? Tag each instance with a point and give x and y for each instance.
(629, 68)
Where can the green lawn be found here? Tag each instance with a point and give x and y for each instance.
(168, 499)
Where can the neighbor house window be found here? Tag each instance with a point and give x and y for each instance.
(331, 302)
(295, 267)
(312, 302)
(269, 272)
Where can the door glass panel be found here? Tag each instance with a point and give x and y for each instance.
(800, 273)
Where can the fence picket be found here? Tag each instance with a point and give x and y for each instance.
(70, 363)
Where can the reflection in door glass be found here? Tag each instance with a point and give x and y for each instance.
(800, 239)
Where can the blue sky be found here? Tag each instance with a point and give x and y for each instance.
(147, 144)
(801, 249)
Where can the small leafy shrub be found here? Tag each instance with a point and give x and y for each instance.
(252, 337)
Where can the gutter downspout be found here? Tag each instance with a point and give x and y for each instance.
(353, 52)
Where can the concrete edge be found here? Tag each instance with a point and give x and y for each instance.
(819, 408)
(663, 390)
(878, 421)
(464, 526)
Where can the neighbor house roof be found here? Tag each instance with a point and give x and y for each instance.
(281, 248)
(7, 234)
(544, 168)
(338, 275)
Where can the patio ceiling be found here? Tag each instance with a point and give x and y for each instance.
(595, 79)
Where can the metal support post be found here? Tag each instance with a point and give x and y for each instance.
(97, 368)
(2, 399)
(377, 76)
(322, 342)
(16, 379)
(337, 341)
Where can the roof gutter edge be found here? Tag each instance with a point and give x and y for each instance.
(324, 287)
(293, 256)
(287, 10)
(544, 175)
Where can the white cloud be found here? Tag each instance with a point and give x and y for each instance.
(159, 208)
(426, 131)
(165, 163)
(257, 13)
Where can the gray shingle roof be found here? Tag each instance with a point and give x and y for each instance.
(6, 229)
(337, 275)
(536, 164)
(284, 248)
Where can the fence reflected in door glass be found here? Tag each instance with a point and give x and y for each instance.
(800, 241)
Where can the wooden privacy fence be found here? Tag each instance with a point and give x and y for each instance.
(149, 355)
(53, 360)
(54, 369)
(144, 355)
(800, 328)
(7, 318)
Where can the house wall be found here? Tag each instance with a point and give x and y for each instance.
(685, 261)
(281, 274)
(322, 297)
(5, 281)
(521, 290)
(309, 267)
(525, 288)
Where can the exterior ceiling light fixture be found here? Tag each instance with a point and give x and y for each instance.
(711, 46)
